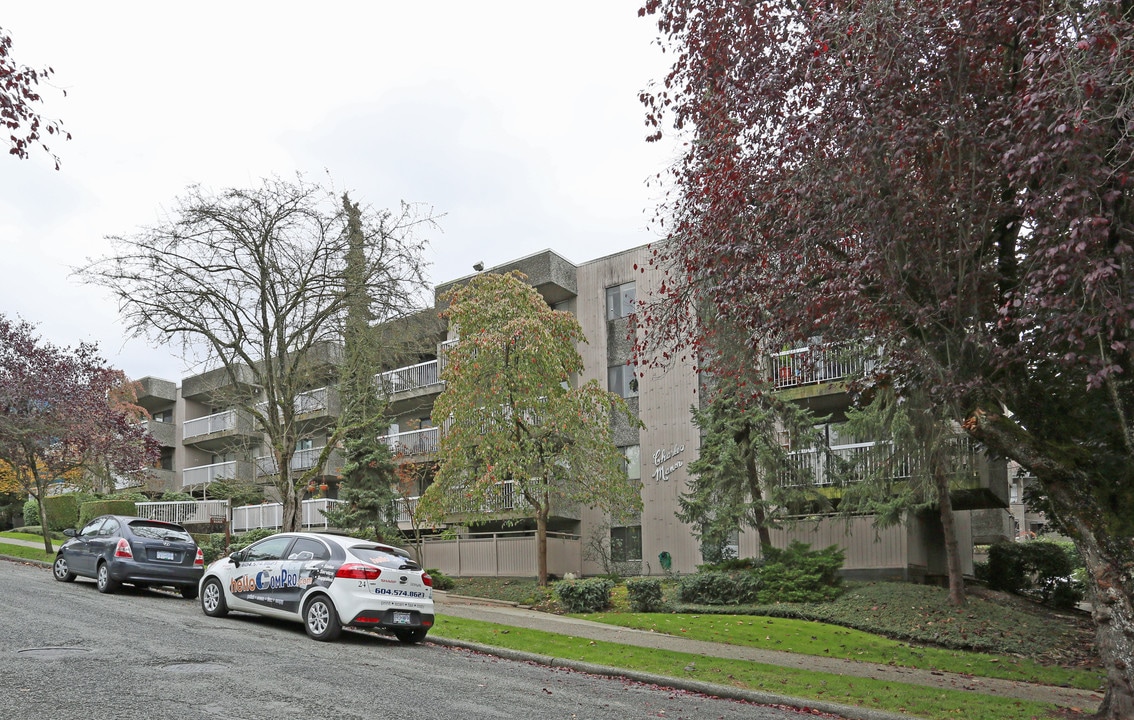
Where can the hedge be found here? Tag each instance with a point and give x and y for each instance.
(90, 510)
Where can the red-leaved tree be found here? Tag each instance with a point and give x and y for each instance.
(63, 415)
(948, 181)
(19, 95)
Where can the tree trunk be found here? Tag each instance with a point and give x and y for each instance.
(1109, 579)
(949, 529)
(541, 544)
(292, 519)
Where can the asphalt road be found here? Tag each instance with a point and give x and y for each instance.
(67, 652)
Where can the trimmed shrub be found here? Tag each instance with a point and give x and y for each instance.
(90, 510)
(584, 596)
(800, 574)
(212, 546)
(721, 588)
(645, 595)
(441, 581)
(1038, 568)
(243, 540)
(31, 512)
(63, 510)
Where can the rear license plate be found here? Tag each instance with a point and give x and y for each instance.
(164, 555)
(401, 618)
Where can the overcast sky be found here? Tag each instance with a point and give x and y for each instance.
(519, 121)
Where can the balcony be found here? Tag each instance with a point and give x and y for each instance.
(413, 381)
(504, 500)
(815, 364)
(163, 432)
(219, 429)
(302, 460)
(204, 474)
(270, 515)
(218, 386)
(413, 442)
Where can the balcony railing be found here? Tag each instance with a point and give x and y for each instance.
(422, 375)
(302, 460)
(209, 473)
(311, 401)
(860, 461)
(413, 442)
(815, 364)
(224, 421)
(201, 511)
(270, 515)
(504, 498)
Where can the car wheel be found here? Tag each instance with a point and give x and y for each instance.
(411, 636)
(103, 580)
(321, 619)
(189, 592)
(60, 570)
(212, 599)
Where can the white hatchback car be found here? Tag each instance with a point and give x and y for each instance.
(325, 581)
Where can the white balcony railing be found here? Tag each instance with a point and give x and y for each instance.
(302, 460)
(405, 507)
(305, 402)
(208, 473)
(413, 442)
(217, 422)
(422, 375)
(200, 511)
(270, 515)
(815, 364)
(860, 460)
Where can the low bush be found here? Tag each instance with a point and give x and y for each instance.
(1038, 568)
(441, 581)
(645, 595)
(584, 596)
(90, 510)
(794, 574)
(31, 512)
(212, 545)
(243, 540)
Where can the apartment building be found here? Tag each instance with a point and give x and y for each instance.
(205, 440)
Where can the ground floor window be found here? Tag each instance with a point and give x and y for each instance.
(626, 543)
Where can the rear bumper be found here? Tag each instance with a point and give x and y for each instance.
(392, 619)
(130, 571)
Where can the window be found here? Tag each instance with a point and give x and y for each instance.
(270, 549)
(308, 549)
(633, 461)
(109, 528)
(165, 416)
(92, 527)
(620, 380)
(626, 543)
(304, 444)
(166, 461)
(619, 300)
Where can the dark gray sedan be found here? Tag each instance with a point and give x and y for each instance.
(116, 549)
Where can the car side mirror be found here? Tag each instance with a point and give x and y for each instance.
(70, 532)
(235, 558)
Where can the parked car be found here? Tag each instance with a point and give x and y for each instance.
(326, 582)
(116, 549)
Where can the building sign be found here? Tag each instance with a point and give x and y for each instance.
(664, 463)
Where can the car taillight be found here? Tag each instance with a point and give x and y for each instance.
(123, 549)
(358, 571)
(200, 559)
(427, 580)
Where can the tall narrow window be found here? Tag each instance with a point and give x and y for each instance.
(620, 300)
(633, 461)
(621, 381)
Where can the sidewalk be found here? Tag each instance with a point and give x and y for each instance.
(505, 614)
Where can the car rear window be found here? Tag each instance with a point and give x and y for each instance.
(383, 557)
(159, 531)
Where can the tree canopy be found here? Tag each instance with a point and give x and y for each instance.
(254, 283)
(63, 416)
(512, 418)
(19, 96)
(948, 181)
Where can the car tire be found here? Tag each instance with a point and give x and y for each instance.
(212, 599)
(321, 620)
(103, 581)
(189, 592)
(60, 571)
(411, 637)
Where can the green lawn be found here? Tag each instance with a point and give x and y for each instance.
(813, 638)
(915, 700)
(27, 553)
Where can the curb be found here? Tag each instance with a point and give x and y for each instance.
(850, 712)
(28, 561)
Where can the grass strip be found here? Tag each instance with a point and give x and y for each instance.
(919, 701)
(24, 552)
(814, 638)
